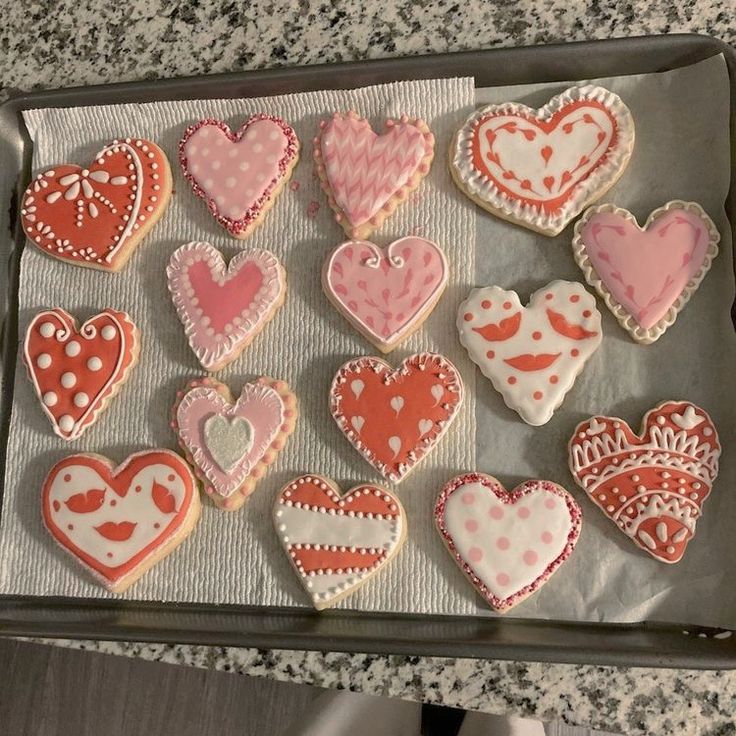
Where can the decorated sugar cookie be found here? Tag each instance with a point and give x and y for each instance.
(77, 370)
(651, 485)
(395, 416)
(366, 176)
(224, 307)
(646, 275)
(540, 168)
(532, 354)
(385, 293)
(230, 443)
(336, 542)
(96, 216)
(507, 543)
(239, 175)
(120, 521)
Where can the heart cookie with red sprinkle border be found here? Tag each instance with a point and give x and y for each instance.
(96, 216)
(239, 175)
(76, 371)
(120, 521)
(508, 543)
(651, 485)
(394, 417)
(540, 168)
(336, 542)
(531, 354)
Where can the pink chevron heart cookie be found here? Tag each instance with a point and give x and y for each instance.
(646, 275)
(508, 543)
(540, 168)
(366, 176)
(651, 485)
(532, 354)
(335, 541)
(224, 308)
(230, 444)
(239, 174)
(385, 293)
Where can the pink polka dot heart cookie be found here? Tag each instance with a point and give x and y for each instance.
(508, 543)
(239, 174)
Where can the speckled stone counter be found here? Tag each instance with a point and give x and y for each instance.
(66, 43)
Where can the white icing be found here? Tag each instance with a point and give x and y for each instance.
(47, 329)
(394, 444)
(228, 439)
(68, 380)
(357, 387)
(81, 399)
(94, 363)
(50, 398)
(689, 419)
(43, 361)
(425, 425)
(108, 332)
(66, 423)
(397, 403)
(72, 348)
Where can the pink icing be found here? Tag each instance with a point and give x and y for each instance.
(386, 291)
(646, 270)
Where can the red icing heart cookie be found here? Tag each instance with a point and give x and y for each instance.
(540, 168)
(118, 522)
(239, 174)
(97, 215)
(508, 543)
(394, 417)
(335, 541)
(76, 371)
(651, 485)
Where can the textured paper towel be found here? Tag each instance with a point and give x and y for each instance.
(236, 557)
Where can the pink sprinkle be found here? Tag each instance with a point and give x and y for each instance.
(503, 579)
(313, 209)
(547, 537)
(523, 512)
(471, 525)
(503, 543)
(530, 557)
(496, 512)
(475, 554)
(549, 503)
(468, 498)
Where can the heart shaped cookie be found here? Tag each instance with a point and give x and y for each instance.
(76, 371)
(385, 293)
(239, 175)
(508, 543)
(120, 521)
(366, 176)
(540, 168)
(335, 541)
(394, 417)
(230, 444)
(646, 275)
(96, 216)
(651, 485)
(531, 354)
(224, 307)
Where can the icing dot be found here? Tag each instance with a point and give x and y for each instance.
(537, 335)
(512, 380)
(156, 525)
(490, 354)
(538, 395)
(47, 329)
(70, 527)
(496, 512)
(550, 503)
(486, 304)
(94, 363)
(274, 135)
(67, 477)
(507, 305)
(73, 349)
(251, 135)
(171, 478)
(50, 398)
(547, 537)
(523, 513)
(215, 164)
(574, 352)
(257, 148)
(530, 557)
(244, 166)
(503, 543)
(43, 360)
(81, 399)
(66, 423)
(68, 379)
(471, 525)
(475, 554)
(575, 298)
(138, 489)
(108, 332)
(230, 182)
(503, 579)
(468, 316)
(586, 313)
(113, 502)
(468, 498)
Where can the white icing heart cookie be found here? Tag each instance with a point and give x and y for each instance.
(540, 168)
(230, 444)
(532, 354)
(507, 543)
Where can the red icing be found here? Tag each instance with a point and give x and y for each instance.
(85, 503)
(116, 531)
(163, 498)
(505, 329)
(529, 362)
(567, 329)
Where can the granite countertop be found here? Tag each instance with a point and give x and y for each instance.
(65, 43)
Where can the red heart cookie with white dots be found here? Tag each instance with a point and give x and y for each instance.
(508, 543)
(95, 216)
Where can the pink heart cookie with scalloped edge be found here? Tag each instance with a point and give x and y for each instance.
(223, 308)
(507, 543)
(385, 293)
(646, 275)
(239, 174)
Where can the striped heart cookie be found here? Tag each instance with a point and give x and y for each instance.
(335, 541)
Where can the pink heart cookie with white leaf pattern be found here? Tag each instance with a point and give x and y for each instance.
(385, 293)
(507, 543)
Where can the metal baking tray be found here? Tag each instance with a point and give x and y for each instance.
(645, 644)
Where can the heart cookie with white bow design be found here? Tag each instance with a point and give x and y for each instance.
(540, 168)
(507, 543)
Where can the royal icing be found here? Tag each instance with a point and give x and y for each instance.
(115, 520)
(540, 168)
(223, 307)
(532, 354)
(385, 292)
(366, 176)
(394, 417)
(75, 371)
(646, 275)
(508, 543)
(95, 216)
(335, 541)
(651, 485)
(238, 174)
(231, 443)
